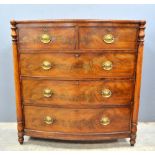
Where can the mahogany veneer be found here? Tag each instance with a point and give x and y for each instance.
(77, 79)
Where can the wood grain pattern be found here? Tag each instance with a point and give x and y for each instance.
(78, 66)
(19, 109)
(87, 21)
(77, 94)
(137, 84)
(92, 38)
(77, 121)
(77, 137)
(77, 51)
(61, 38)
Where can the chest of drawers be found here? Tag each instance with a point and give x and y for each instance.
(77, 79)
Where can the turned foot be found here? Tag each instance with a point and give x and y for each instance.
(133, 139)
(21, 140)
(20, 137)
(132, 144)
(133, 134)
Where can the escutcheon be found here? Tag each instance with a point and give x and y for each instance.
(105, 121)
(45, 38)
(107, 65)
(48, 120)
(46, 65)
(106, 93)
(47, 92)
(108, 38)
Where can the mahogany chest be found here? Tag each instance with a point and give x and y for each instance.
(77, 79)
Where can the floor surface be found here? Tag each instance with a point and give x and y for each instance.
(8, 141)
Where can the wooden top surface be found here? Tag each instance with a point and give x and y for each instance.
(78, 21)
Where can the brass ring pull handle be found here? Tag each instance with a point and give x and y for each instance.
(45, 38)
(108, 38)
(107, 65)
(105, 121)
(47, 92)
(106, 93)
(48, 120)
(46, 65)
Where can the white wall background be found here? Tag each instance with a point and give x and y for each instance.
(23, 12)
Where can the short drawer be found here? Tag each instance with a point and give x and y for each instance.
(107, 38)
(80, 94)
(77, 120)
(78, 66)
(51, 38)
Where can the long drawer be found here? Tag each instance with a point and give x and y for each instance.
(105, 120)
(77, 94)
(78, 66)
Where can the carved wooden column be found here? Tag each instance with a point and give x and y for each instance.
(19, 108)
(137, 84)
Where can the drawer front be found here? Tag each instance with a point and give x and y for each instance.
(78, 66)
(107, 38)
(51, 38)
(77, 120)
(78, 94)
